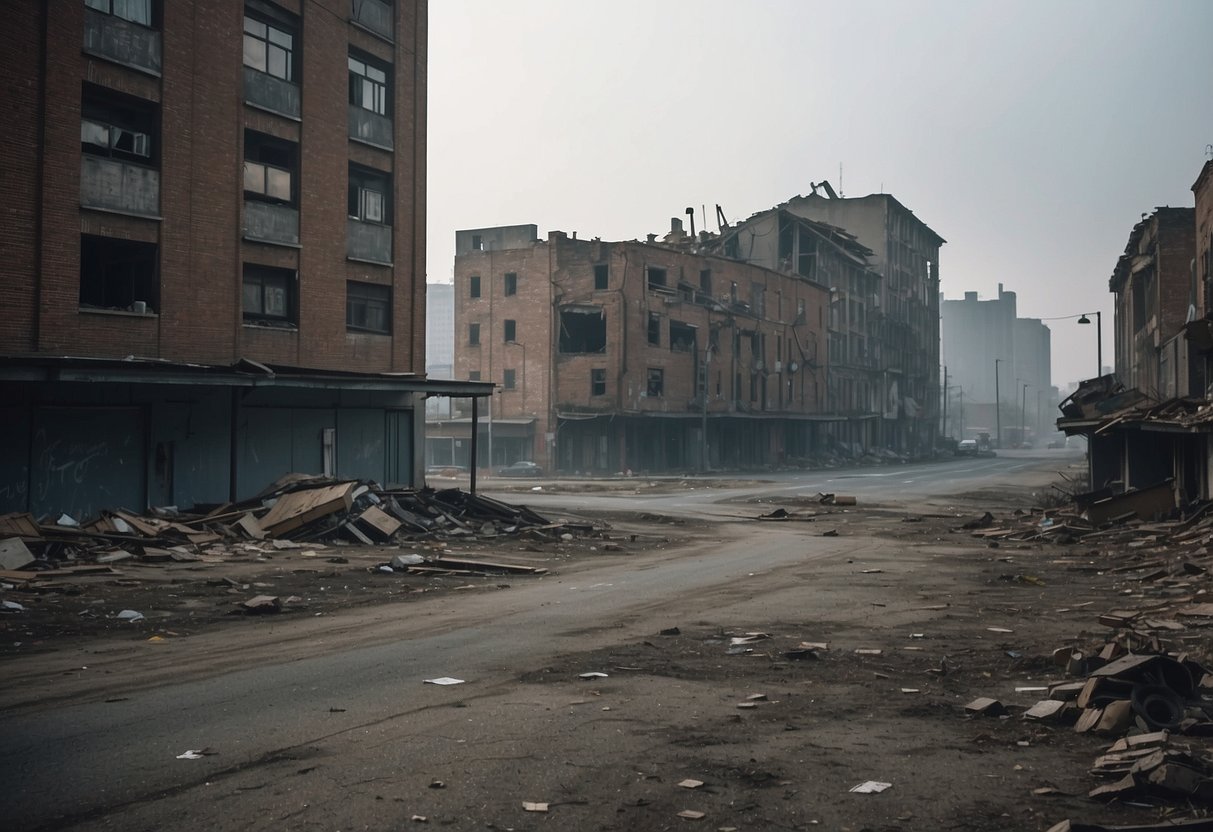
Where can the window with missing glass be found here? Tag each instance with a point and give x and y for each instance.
(269, 168)
(136, 11)
(370, 196)
(269, 294)
(118, 126)
(602, 276)
(369, 83)
(269, 43)
(368, 307)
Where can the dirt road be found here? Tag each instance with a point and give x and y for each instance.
(325, 722)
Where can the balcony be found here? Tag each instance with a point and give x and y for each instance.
(375, 15)
(121, 41)
(113, 185)
(271, 93)
(265, 222)
(369, 127)
(368, 241)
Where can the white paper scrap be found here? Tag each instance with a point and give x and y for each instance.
(871, 787)
(444, 680)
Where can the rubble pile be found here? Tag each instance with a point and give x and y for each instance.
(293, 511)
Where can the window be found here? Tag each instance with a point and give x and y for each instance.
(269, 45)
(369, 84)
(269, 294)
(511, 284)
(136, 11)
(511, 331)
(507, 379)
(473, 335)
(369, 196)
(705, 281)
(474, 375)
(758, 300)
(118, 126)
(368, 307)
(656, 382)
(477, 243)
(375, 15)
(682, 337)
(474, 286)
(582, 330)
(655, 276)
(118, 274)
(597, 382)
(602, 276)
(269, 168)
(654, 329)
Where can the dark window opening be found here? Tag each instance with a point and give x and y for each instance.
(510, 331)
(654, 329)
(733, 292)
(136, 11)
(369, 83)
(474, 286)
(119, 274)
(477, 243)
(507, 379)
(269, 294)
(597, 382)
(602, 276)
(656, 382)
(732, 248)
(269, 42)
(474, 375)
(368, 307)
(370, 196)
(655, 276)
(511, 284)
(118, 126)
(474, 335)
(705, 281)
(682, 337)
(582, 330)
(758, 300)
(806, 261)
(269, 168)
(753, 387)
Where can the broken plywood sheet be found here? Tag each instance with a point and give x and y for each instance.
(14, 554)
(379, 522)
(19, 525)
(299, 508)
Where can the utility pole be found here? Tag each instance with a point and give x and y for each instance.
(997, 406)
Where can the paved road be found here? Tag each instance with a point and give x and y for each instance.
(76, 764)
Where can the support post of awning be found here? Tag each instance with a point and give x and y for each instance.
(472, 463)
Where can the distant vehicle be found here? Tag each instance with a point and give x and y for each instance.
(967, 447)
(521, 468)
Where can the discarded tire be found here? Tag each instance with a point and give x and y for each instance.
(1158, 705)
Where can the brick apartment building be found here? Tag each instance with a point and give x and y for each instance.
(613, 356)
(191, 309)
(1154, 289)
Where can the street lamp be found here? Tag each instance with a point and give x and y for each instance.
(1098, 339)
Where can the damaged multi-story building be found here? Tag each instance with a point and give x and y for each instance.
(641, 356)
(191, 311)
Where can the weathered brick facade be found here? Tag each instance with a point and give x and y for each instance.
(608, 344)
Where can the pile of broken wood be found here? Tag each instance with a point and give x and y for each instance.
(295, 508)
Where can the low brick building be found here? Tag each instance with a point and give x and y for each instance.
(616, 356)
(190, 308)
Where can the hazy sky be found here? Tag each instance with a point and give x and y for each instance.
(1030, 135)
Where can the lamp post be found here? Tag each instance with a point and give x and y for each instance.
(997, 406)
(1098, 339)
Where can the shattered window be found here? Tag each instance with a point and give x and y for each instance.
(582, 329)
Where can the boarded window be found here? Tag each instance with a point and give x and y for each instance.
(582, 329)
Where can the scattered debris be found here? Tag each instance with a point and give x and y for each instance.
(692, 814)
(871, 787)
(443, 680)
(690, 783)
(534, 807)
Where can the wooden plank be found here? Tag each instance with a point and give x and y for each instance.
(14, 554)
(468, 563)
(19, 525)
(299, 508)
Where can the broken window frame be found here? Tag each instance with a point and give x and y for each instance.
(266, 160)
(269, 42)
(119, 127)
(474, 286)
(705, 281)
(115, 274)
(508, 379)
(602, 277)
(139, 12)
(679, 340)
(370, 83)
(655, 383)
(473, 335)
(368, 307)
(579, 336)
(509, 331)
(369, 196)
(262, 279)
(597, 381)
(656, 277)
(510, 284)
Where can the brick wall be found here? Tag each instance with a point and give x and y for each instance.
(1202, 191)
(202, 121)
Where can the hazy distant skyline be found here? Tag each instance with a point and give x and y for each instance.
(1032, 136)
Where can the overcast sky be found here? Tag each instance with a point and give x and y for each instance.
(1030, 135)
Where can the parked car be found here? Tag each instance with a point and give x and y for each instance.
(967, 447)
(521, 468)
